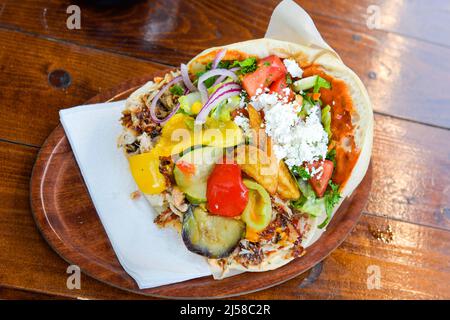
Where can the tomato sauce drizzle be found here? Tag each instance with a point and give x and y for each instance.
(340, 101)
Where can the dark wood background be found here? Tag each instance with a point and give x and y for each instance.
(405, 65)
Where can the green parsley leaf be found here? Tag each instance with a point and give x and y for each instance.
(177, 90)
(301, 172)
(208, 82)
(244, 95)
(331, 155)
(247, 66)
(288, 78)
(223, 64)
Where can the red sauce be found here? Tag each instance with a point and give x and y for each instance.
(341, 104)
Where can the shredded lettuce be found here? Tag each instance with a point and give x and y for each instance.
(321, 83)
(188, 100)
(331, 199)
(306, 107)
(306, 189)
(223, 111)
(326, 120)
(314, 206)
(308, 202)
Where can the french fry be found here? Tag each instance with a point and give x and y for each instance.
(256, 164)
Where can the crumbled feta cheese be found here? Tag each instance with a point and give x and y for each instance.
(242, 102)
(243, 123)
(287, 91)
(264, 100)
(295, 140)
(316, 172)
(293, 68)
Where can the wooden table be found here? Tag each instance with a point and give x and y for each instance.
(405, 65)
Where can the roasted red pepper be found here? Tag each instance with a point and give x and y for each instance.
(226, 194)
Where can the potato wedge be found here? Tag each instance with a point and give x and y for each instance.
(256, 164)
(287, 186)
(259, 136)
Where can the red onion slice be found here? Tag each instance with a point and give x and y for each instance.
(218, 58)
(201, 117)
(158, 96)
(222, 78)
(209, 74)
(187, 81)
(226, 91)
(225, 87)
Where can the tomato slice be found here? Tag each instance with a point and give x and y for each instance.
(269, 69)
(280, 87)
(319, 185)
(225, 191)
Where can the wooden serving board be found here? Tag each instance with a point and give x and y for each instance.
(67, 219)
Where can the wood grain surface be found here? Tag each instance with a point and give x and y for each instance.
(173, 31)
(405, 66)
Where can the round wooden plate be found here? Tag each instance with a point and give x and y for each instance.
(66, 217)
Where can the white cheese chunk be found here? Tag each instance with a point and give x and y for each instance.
(242, 122)
(293, 68)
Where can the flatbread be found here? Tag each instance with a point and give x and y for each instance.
(362, 120)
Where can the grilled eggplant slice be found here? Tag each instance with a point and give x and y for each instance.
(209, 235)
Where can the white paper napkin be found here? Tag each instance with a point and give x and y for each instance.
(289, 22)
(150, 255)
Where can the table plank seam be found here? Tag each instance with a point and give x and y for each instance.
(403, 35)
(20, 143)
(384, 114)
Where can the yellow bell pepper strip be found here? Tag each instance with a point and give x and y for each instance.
(176, 137)
(145, 170)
